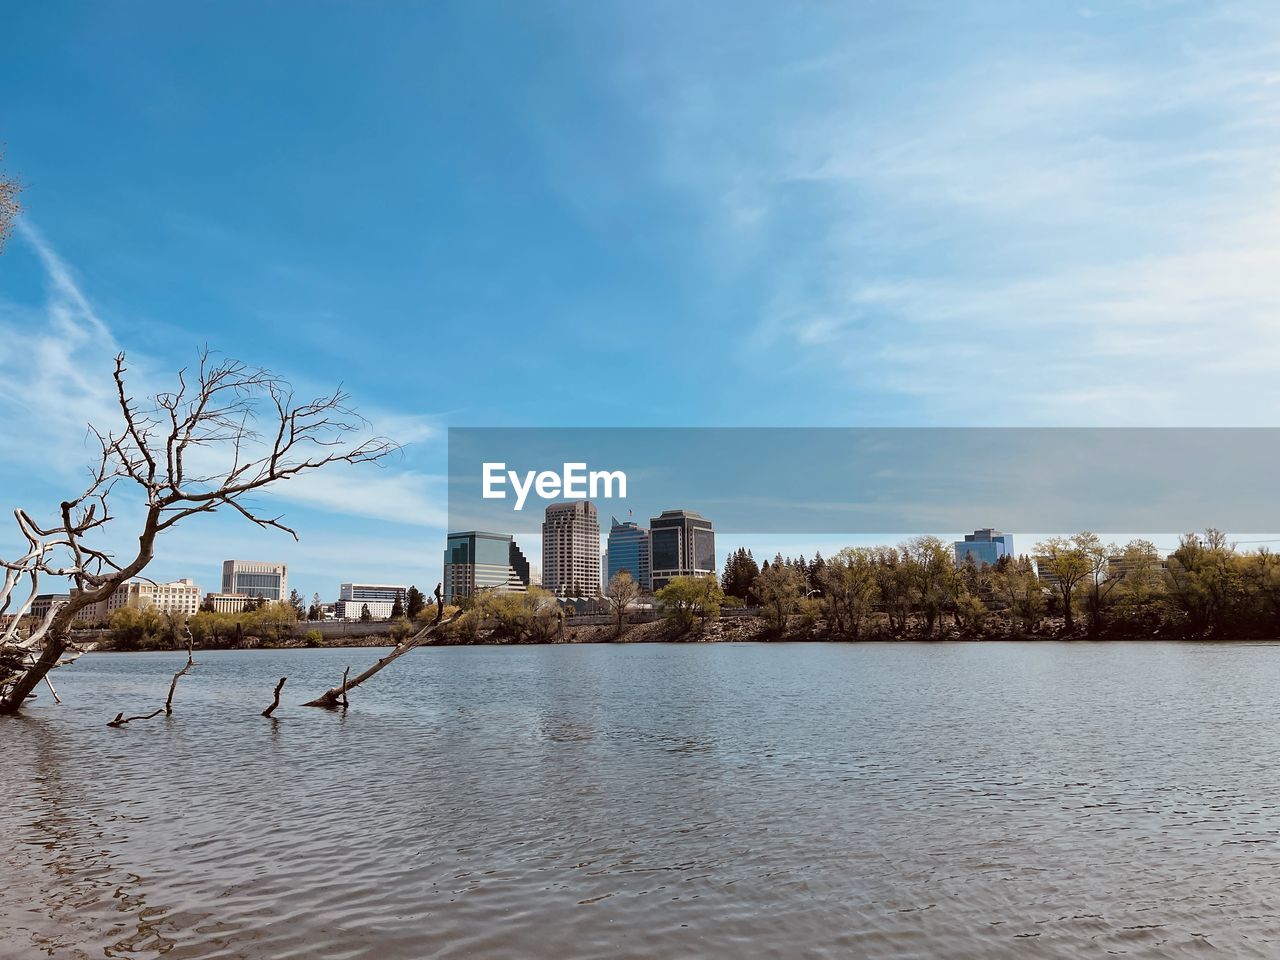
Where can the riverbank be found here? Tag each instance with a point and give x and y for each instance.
(738, 629)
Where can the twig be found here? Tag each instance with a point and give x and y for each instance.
(345, 673)
(275, 702)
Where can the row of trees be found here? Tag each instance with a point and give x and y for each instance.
(1206, 587)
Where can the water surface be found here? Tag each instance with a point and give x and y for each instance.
(654, 801)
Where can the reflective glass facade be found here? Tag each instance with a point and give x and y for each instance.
(628, 550)
(483, 561)
(986, 546)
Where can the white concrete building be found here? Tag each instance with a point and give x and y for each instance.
(227, 602)
(178, 596)
(571, 549)
(380, 598)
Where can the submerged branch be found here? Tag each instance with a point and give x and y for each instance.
(335, 697)
(121, 719)
(276, 700)
(173, 685)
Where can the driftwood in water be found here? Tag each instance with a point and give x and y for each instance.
(173, 685)
(276, 701)
(336, 697)
(121, 719)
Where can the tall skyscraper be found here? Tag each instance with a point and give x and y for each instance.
(681, 544)
(985, 546)
(475, 561)
(571, 549)
(629, 551)
(253, 578)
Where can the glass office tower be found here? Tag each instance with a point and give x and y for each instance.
(628, 550)
(986, 546)
(475, 560)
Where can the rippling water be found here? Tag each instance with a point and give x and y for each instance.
(654, 801)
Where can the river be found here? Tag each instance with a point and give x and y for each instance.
(968, 800)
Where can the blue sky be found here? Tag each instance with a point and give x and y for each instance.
(633, 214)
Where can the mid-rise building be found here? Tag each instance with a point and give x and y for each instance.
(379, 598)
(475, 560)
(986, 546)
(254, 578)
(681, 544)
(178, 596)
(571, 549)
(628, 550)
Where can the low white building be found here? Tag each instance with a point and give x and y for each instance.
(380, 598)
(227, 602)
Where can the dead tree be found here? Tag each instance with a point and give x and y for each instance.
(336, 697)
(206, 446)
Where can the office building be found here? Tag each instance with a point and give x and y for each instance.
(475, 561)
(379, 598)
(986, 546)
(226, 602)
(178, 596)
(252, 578)
(681, 544)
(43, 603)
(571, 549)
(628, 550)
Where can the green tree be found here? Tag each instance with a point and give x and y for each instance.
(780, 590)
(299, 605)
(931, 571)
(397, 609)
(1015, 586)
(1063, 566)
(740, 572)
(686, 599)
(415, 601)
(849, 590)
(1206, 582)
(365, 615)
(622, 592)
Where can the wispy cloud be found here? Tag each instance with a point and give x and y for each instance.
(55, 367)
(55, 378)
(998, 216)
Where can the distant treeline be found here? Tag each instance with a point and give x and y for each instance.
(1084, 586)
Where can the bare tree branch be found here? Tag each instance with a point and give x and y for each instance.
(227, 431)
